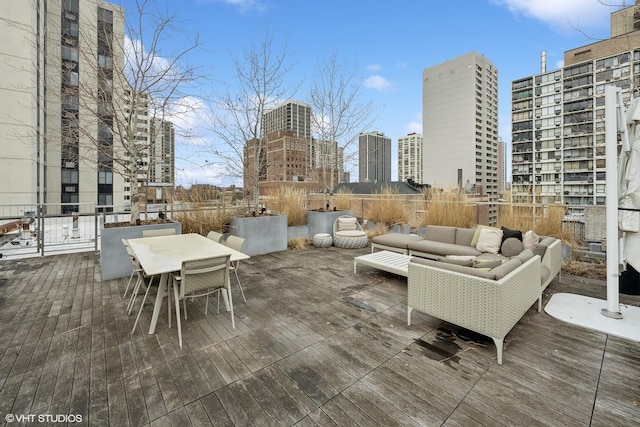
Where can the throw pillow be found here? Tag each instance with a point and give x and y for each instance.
(476, 235)
(506, 233)
(464, 260)
(486, 263)
(511, 247)
(530, 239)
(345, 224)
(490, 240)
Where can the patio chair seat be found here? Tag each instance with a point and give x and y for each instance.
(350, 239)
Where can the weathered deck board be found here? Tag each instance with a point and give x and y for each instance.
(314, 345)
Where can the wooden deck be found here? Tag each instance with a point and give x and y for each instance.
(314, 344)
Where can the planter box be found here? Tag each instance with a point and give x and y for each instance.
(114, 261)
(398, 228)
(298, 232)
(262, 234)
(322, 222)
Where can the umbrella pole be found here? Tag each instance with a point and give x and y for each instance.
(613, 118)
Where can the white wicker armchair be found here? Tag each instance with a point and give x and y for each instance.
(488, 307)
(348, 233)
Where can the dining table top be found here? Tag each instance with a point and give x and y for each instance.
(165, 254)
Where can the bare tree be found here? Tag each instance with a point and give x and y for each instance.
(139, 85)
(260, 73)
(338, 114)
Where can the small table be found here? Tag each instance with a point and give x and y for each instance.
(163, 255)
(322, 240)
(391, 262)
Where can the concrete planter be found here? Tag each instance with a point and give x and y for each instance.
(298, 232)
(262, 234)
(322, 222)
(114, 261)
(398, 228)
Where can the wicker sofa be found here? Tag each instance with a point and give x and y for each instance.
(488, 295)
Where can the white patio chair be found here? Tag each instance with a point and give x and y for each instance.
(235, 242)
(215, 236)
(200, 278)
(132, 258)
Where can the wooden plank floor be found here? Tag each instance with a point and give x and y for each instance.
(314, 344)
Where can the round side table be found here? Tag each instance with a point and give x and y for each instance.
(322, 240)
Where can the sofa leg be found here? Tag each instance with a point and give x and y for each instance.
(409, 310)
(540, 303)
(499, 343)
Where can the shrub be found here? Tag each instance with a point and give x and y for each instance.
(288, 200)
(298, 243)
(448, 207)
(544, 220)
(388, 208)
(202, 216)
(342, 199)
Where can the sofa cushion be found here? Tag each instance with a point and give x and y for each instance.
(345, 224)
(396, 240)
(506, 268)
(525, 255)
(477, 231)
(507, 232)
(439, 248)
(464, 236)
(511, 247)
(489, 240)
(486, 256)
(466, 260)
(453, 267)
(530, 239)
(542, 246)
(486, 264)
(440, 233)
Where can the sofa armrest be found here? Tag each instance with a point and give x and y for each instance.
(489, 307)
(552, 259)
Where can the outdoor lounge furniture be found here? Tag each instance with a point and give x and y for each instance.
(391, 262)
(200, 278)
(215, 236)
(455, 245)
(163, 256)
(488, 306)
(322, 240)
(348, 233)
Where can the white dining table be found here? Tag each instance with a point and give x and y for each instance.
(163, 255)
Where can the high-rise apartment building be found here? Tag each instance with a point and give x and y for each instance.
(46, 134)
(502, 165)
(289, 115)
(460, 122)
(410, 158)
(374, 157)
(558, 118)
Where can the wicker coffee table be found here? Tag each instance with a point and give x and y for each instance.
(391, 262)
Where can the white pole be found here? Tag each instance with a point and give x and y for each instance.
(611, 116)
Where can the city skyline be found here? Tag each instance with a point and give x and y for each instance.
(512, 34)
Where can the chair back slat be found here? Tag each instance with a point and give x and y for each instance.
(215, 236)
(207, 273)
(234, 242)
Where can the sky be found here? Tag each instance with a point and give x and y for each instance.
(387, 43)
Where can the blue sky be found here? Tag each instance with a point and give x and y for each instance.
(389, 43)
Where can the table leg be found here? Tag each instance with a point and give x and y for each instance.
(162, 291)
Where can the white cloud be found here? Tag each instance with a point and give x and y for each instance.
(378, 83)
(374, 67)
(562, 15)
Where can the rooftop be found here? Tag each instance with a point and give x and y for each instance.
(315, 344)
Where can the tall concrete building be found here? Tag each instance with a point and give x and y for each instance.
(410, 158)
(46, 136)
(502, 165)
(289, 115)
(460, 122)
(557, 118)
(374, 157)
